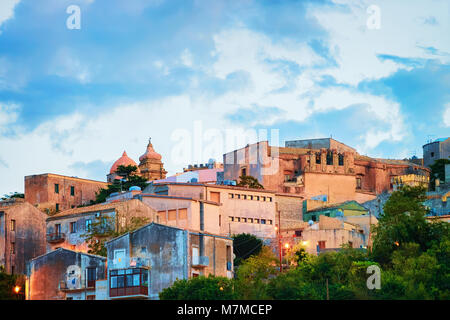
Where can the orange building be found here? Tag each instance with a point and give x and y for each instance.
(318, 167)
(53, 192)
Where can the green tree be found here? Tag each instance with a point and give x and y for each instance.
(253, 275)
(199, 288)
(403, 221)
(7, 283)
(245, 245)
(249, 182)
(131, 179)
(106, 228)
(13, 195)
(438, 169)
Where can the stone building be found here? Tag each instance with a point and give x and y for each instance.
(66, 229)
(144, 262)
(437, 149)
(150, 164)
(66, 275)
(52, 192)
(318, 167)
(22, 234)
(237, 209)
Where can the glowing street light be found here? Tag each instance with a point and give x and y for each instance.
(286, 245)
(305, 243)
(16, 289)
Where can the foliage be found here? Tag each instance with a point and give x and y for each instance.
(438, 168)
(105, 228)
(7, 283)
(13, 195)
(199, 288)
(403, 221)
(249, 182)
(253, 275)
(245, 245)
(131, 180)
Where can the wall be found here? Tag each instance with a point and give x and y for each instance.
(29, 236)
(47, 271)
(40, 189)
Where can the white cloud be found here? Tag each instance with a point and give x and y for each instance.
(66, 64)
(446, 116)
(7, 10)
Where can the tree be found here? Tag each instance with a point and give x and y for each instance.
(13, 195)
(131, 179)
(105, 228)
(249, 182)
(253, 275)
(199, 288)
(245, 245)
(403, 221)
(438, 169)
(7, 283)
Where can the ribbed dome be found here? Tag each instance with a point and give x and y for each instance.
(124, 160)
(150, 153)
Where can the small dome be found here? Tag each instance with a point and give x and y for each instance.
(134, 188)
(124, 160)
(150, 153)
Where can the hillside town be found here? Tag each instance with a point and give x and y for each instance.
(136, 233)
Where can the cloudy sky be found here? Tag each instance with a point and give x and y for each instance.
(191, 74)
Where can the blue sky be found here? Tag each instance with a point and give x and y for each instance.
(191, 73)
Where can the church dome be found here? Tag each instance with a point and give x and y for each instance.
(150, 153)
(124, 160)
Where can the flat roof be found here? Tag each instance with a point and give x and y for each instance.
(65, 177)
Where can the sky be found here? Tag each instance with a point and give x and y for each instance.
(205, 77)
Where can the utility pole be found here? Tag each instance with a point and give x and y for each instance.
(328, 293)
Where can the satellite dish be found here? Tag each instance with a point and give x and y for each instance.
(73, 277)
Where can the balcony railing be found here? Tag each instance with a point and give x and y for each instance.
(200, 261)
(131, 282)
(56, 237)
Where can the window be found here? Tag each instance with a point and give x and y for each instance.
(238, 219)
(57, 207)
(263, 221)
(230, 196)
(250, 197)
(238, 196)
(231, 219)
(269, 199)
(57, 228)
(88, 224)
(250, 220)
(318, 158)
(90, 297)
(73, 227)
(244, 220)
(243, 172)
(244, 196)
(13, 247)
(321, 245)
(269, 221)
(358, 183)
(287, 177)
(432, 154)
(298, 233)
(256, 220)
(72, 190)
(329, 158)
(13, 225)
(257, 198)
(341, 159)
(56, 188)
(263, 199)
(91, 277)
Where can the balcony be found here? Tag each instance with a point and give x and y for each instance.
(131, 283)
(57, 237)
(200, 261)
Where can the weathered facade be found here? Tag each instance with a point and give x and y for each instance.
(66, 229)
(53, 192)
(22, 234)
(144, 262)
(64, 274)
(437, 149)
(335, 170)
(235, 209)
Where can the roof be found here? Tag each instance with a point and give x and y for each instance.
(213, 186)
(356, 206)
(151, 195)
(65, 177)
(124, 160)
(92, 208)
(72, 251)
